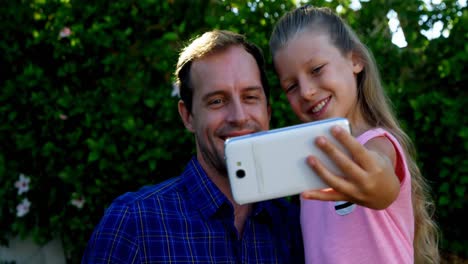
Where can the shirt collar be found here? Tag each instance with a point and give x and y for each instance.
(206, 196)
(270, 208)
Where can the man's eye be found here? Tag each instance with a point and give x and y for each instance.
(215, 101)
(252, 97)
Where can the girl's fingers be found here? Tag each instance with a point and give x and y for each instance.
(357, 151)
(323, 195)
(365, 172)
(336, 182)
(338, 156)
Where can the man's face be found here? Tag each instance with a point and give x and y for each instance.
(228, 101)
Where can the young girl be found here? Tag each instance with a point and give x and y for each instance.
(380, 211)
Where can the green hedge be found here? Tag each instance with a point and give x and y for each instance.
(88, 114)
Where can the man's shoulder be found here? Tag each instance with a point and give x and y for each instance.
(284, 203)
(288, 207)
(168, 190)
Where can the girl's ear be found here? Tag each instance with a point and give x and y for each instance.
(185, 115)
(357, 61)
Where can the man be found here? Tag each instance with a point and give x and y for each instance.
(193, 218)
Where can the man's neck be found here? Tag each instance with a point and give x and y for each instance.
(241, 212)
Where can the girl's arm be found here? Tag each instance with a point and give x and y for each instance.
(369, 177)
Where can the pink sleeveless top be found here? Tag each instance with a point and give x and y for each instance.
(341, 232)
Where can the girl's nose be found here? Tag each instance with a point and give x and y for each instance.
(307, 90)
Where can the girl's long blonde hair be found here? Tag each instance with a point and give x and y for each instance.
(376, 108)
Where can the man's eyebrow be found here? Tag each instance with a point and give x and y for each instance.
(253, 88)
(221, 92)
(211, 94)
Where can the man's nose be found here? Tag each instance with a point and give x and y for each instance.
(237, 112)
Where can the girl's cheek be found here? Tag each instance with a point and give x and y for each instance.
(292, 102)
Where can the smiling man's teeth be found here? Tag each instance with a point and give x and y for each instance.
(319, 106)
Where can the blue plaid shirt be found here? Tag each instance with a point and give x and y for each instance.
(188, 220)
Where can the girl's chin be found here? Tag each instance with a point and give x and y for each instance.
(308, 119)
(315, 117)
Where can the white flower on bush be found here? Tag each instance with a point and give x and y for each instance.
(23, 208)
(63, 117)
(22, 184)
(65, 32)
(78, 202)
(175, 90)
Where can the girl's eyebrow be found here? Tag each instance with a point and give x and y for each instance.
(286, 80)
(311, 61)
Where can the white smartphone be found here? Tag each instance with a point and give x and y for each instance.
(272, 164)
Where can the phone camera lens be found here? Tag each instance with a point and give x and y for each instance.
(240, 174)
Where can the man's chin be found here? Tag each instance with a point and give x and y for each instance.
(215, 162)
(223, 172)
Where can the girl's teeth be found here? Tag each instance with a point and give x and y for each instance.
(319, 106)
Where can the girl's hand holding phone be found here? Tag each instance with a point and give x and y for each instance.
(369, 176)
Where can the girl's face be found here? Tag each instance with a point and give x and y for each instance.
(319, 81)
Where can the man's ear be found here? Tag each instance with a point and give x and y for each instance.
(185, 115)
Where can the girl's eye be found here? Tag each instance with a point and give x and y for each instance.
(317, 70)
(291, 87)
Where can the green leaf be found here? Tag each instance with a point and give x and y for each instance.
(150, 103)
(93, 156)
(443, 200)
